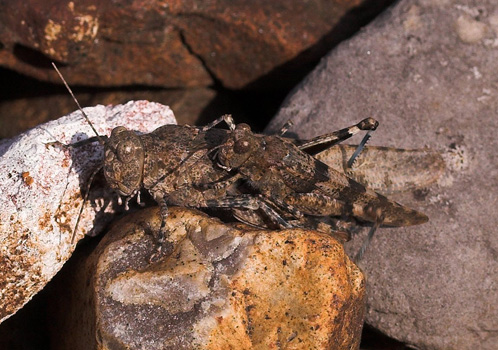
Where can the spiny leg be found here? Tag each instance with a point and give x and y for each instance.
(285, 128)
(358, 150)
(225, 182)
(164, 211)
(227, 118)
(274, 216)
(252, 202)
(161, 234)
(361, 252)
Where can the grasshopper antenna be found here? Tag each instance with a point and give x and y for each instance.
(99, 138)
(101, 141)
(85, 198)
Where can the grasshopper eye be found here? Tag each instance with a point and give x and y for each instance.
(241, 146)
(126, 151)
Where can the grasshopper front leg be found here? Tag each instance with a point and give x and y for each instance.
(164, 211)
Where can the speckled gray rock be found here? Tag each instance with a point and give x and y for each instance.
(427, 70)
(41, 194)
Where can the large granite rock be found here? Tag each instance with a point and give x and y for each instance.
(427, 71)
(215, 286)
(41, 194)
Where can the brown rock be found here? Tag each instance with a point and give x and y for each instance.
(168, 43)
(216, 287)
(21, 114)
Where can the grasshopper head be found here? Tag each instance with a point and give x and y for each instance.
(238, 148)
(124, 161)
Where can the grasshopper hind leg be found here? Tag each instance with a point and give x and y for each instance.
(361, 252)
(319, 143)
(227, 118)
(322, 142)
(358, 150)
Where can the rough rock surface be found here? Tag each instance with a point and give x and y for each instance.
(427, 71)
(216, 286)
(40, 194)
(163, 43)
(21, 114)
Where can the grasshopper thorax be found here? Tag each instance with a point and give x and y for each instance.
(124, 161)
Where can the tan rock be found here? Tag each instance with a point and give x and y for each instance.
(216, 286)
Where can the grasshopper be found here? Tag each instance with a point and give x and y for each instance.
(203, 168)
(281, 171)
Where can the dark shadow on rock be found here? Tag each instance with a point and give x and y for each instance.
(260, 100)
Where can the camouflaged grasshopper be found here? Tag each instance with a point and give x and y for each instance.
(299, 184)
(203, 167)
(386, 170)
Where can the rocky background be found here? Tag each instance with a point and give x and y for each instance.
(425, 69)
(201, 59)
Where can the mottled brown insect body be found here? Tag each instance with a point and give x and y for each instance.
(264, 180)
(286, 174)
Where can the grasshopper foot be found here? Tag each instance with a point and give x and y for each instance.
(160, 235)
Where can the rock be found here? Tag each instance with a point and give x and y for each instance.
(427, 71)
(40, 194)
(168, 43)
(20, 114)
(216, 286)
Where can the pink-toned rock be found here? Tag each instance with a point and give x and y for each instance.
(217, 286)
(40, 194)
